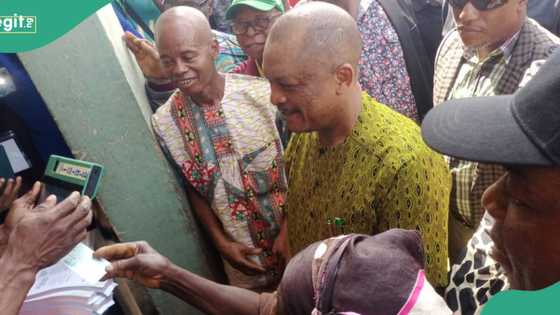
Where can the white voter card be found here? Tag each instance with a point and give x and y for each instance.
(81, 261)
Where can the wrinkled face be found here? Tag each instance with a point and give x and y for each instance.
(526, 205)
(187, 59)
(251, 27)
(480, 28)
(304, 95)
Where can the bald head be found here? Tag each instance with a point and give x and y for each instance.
(318, 32)
(311, 59)
(183, 23)
(187, 50)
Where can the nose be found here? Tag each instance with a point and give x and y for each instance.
(468, 13)
(180, 68)
(251, 31)
(276, 96)
(495, 199)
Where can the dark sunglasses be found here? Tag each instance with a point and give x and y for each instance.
(481, 5)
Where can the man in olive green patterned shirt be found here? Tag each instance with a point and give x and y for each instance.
(355, 165)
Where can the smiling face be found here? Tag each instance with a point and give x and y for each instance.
(304, 94)
(253, 39)
(489, 28)
(310, 60)
(526, 205)
(187, 56)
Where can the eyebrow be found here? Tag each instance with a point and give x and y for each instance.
(528, 184)
(287, 80)
(182, 52)
(516, 169)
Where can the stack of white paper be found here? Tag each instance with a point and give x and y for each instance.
(71, 287)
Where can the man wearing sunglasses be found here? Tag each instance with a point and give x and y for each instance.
(492, 51)
(518, 243)
(251, 21)
(546, 12)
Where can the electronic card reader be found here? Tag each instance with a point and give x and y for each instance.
(64, 175)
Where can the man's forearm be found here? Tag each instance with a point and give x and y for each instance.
(208, 296)
(207, 218)
(15, 281)
(158, 94)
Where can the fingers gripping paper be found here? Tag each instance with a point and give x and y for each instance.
(71, 286)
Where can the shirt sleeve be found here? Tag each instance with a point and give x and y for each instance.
(170, 142)
(478, 277)
(156, 97)
(240, 69)
(531, 71)
(230, 55)
(419, 199)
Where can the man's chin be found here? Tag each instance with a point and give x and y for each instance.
(539, 285)
(191, 90)
(472, 42)
(295, 124)
(297, 128)
(530, 280)
(519, 286)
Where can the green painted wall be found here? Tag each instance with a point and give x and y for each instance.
(95, 93)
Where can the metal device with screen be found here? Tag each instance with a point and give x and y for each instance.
(64, 175)
(13, 160)
(6, 170)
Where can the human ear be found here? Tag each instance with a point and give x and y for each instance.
(215, 49)
(522, 5)
(344, 76)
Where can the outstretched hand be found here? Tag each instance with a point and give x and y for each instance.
(146, 56)
(136, 261)
(21, 206)
(43, 234)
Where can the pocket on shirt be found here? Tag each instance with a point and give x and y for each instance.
(260, 160)
(264, 169)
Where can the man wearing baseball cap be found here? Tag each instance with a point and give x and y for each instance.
(251, 21)
(516, 245)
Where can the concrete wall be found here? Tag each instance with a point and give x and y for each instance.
(94, 91)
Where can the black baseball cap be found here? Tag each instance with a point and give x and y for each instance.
(518, 129)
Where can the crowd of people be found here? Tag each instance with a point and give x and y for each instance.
(340, 162)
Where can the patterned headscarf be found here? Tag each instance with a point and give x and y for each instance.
(360, 275)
